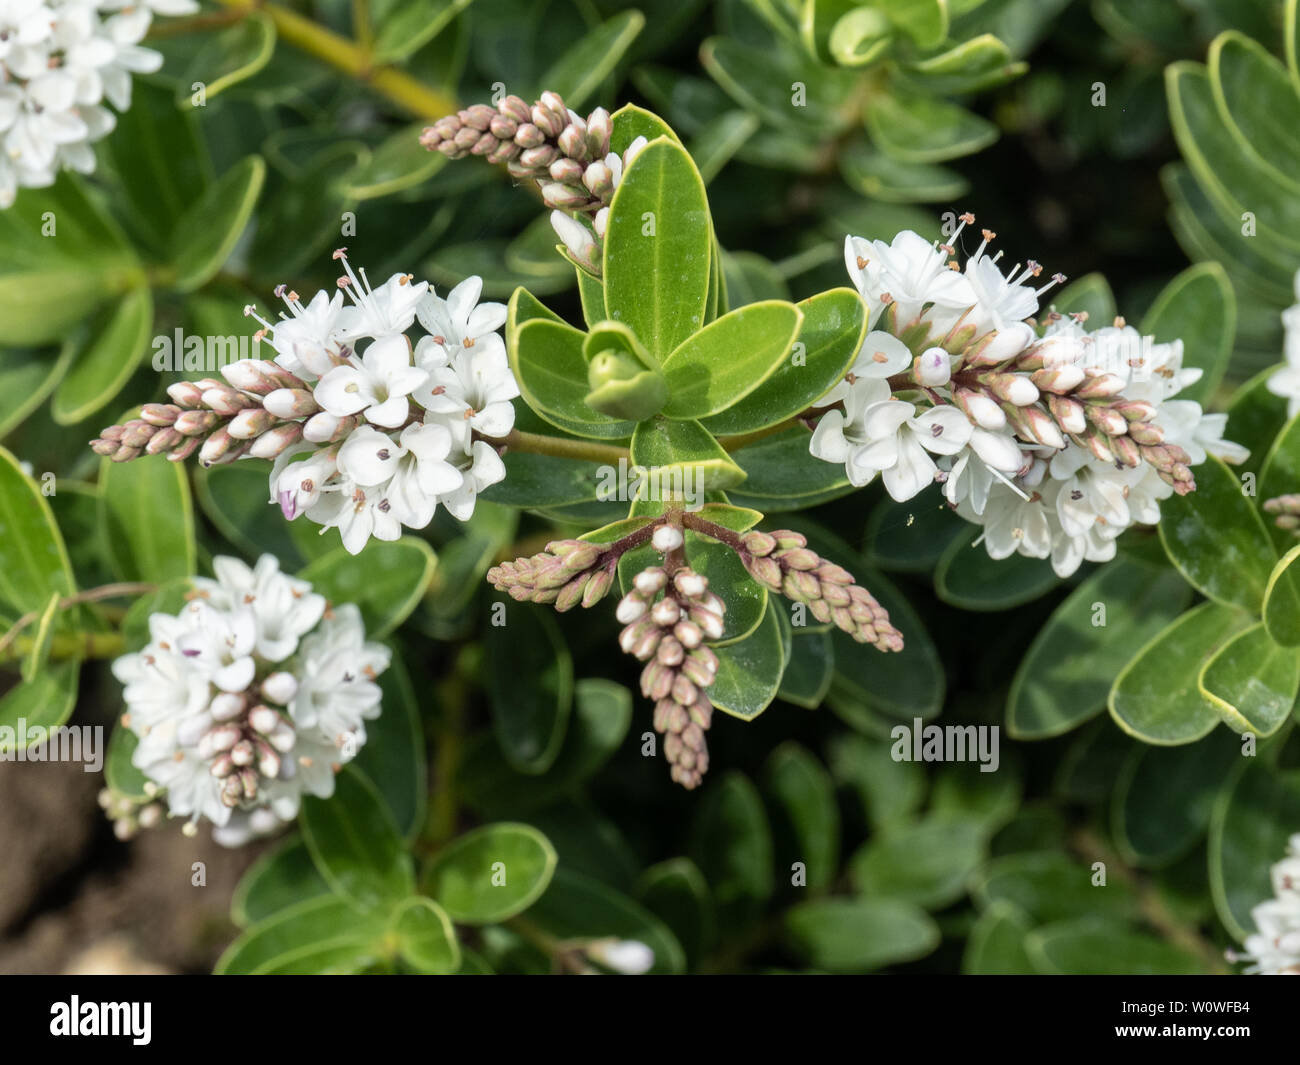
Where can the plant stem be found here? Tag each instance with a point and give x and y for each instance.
(560, 447)
(352, 59)
(69, 645)
(91, 595)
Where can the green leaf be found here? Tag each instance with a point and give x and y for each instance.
(806, 812)
(749, 672)
(917, 128)
(1161, 806)
(116, 345)
(355, 843)
(676, 892)
(26, 380)
(146, 519)
(1049, 886)
(1091, 947)
(1279, 474)
(684, 458)
(64, 256)
(230, 56)
(967, 577)
(120, 773)
(576, 906)
(589, 61)
(42, 632)
(425, 939)
(1155, 697)
(729, 358)
(731, 842)
(860, 935)
(602, 713)
(279, 879)
(996, 944)
(925, 21)
(206, 235)
(1254, 817)
(1282, 601)
(403, 27)
(33, 560)
(1199, 308)
(978, 63)
(491, 873)
(810, 670)
(531, 701)
(1067, 673)
(44, 702)
(927, 863)
(658, 247)
(235, 498)
(386, 580)
(859, 36)
(548, 362)
(1252, 682)
(782, 474)
(717, 141)
(1259, 105)
(880, 176)
(399, 163)
(393, 757)
(326, 934)
(827, 342)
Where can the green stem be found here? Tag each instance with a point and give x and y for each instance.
(352, 59)
(560, 447)
(65, 646)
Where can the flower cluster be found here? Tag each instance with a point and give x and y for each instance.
(1053, 438)
(1274, 949)
(566, 155)
(368, 431)
(60, 60)
(254, 694)
(1286, 381)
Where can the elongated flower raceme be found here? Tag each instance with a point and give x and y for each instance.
(61, 61)
(255, 694)
(1053, 438)
(566, 155)
(369, 431)
(1274, 948)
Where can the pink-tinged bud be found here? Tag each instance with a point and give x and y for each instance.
(563, 196)
(478, 116)
(1147, 434)
(247, 375)
(289, 403)
(573, 141)
(566, 172)
(600, 126)
(665, 613)
(503, 153)
(429, 138)
(223, 737)
(932, 368)
(485, 145)
(1100, 386)
(599, 180)
(1014, 388)
(1001, 346)
(273, 443)
(268, 762)
(689, 634)
(597, 588)
(799, 558)
(218, 447)
(279, 687)
(1126, 450)
(159, 414)
(539, 158)
(758, 543)
(222, 766)
(667, 538)
(529, 136)
(1097, 444)
(186, 394)
(690, 584)
(650, 581)
(242, 753)
(251, 423)
(514, 107)
(1135, 410)
(136, 433)
(503, 127)
(571, 594)
(980, 409)
(248, 778)
(1068, 413)
(184, 450)
(1110, 422)
(466, 137)
(162, 441)
(1058, 379)
(670, 652)
(322, 428)
(766, 571)
(225, 400)
(196, 422)
(710, 624)
(1041, 428)
(629, 608)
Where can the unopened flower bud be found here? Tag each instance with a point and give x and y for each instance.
(280, 687)
(932, 368)
(667, 538)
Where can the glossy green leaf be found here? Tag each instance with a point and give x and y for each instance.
(206, 235)
(386, 580)
(120, 774)
(860, 935)
(403, 27)
(26, 380)
(1090, 947)
(1155, 697)
(1199, 308)
(147, 519)
(925, 21)
(731, 842)
(1259, 105)
(1279, 473)
(531, 701)
(279, 879)
(1252, 682)
(426, 940)
(859, 36)
(658, 246)
(676, 892)
(355, 843)
(781, 474)
(44, 702)
(810, 670)
(827, 342)
(33, 560)
(927, 863)
(228, 57)
(806, 813)
(1067, 673)
(880, 176)
(1051, 886)
(318, 935)
(977, 63)
(491, 873)
(749, 672)
(996, 944)
(394, 754)
(577, 73)
(1282, 601)
(399, 163)
(917, 128)
(1253, 818)
(967, 577)
(114, 349)
(683, 457)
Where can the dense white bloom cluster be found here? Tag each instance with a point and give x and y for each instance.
(60, 61)
(391, 429)
(1286, 381)
(1055, 439)
(256, 692)
(1274, 949)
